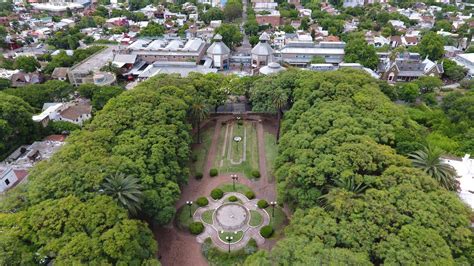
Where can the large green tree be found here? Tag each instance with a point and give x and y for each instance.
(231, 35)
(432, 46)
(357, 50)
(27, 63)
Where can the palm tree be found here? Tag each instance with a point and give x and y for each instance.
(428, 160)
(342, 188)
(126, 190)
(280, 99)
(199, 112)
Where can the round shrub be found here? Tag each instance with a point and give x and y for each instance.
(266, 231)
(213, 172)
(262, 204)
(217, 193)
(255, 173)
(196, 228)
(202, 201)
(233, 199)
(198, 175)
(249, 194)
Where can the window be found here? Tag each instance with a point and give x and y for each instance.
(7, 182)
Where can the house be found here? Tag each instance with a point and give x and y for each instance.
(10, 177)
(271, 17)
(407, 67)
(60, 73)
(353, 3)
(74, 112)
(451, 51)
(21, 79)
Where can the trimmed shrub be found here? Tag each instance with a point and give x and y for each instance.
(213, 172)
(194, 158)
(202, 201)
(262, 204)
(255, 173)
(196, 228)
(233, 199)
(198, 176)
(217, 193)
(266, 231)
(249, 194)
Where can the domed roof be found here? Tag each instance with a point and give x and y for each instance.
(218, 47)
(271, 68)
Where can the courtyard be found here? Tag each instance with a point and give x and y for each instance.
(235, 145)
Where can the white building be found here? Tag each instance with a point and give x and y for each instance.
(74, 112)
(467, 61)
(10, 177)
(219, 53)
(262, 53)
(465, 170)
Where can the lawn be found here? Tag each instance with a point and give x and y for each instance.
(240, 188)
(256, 218)
(201, 151)
(207, 216)
(278, 221)
(222, 161)
(271, 152)
(236, 236)
(183, 218)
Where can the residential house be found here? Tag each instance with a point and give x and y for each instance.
(407, 67)
(75, 112)
(60, 73)
(21, 79)
(10, 177)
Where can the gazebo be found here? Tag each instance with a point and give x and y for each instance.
(219, 53)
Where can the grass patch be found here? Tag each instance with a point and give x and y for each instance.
(183, 220)
(218, 257)
(200, 153)
(240, 188)
(271, 152)
(278, 221)
(222, 161)
(236, 237)
(207, 216)
(256, 218)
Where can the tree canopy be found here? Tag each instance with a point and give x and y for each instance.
(357, 201)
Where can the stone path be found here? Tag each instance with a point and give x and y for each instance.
(212, 231)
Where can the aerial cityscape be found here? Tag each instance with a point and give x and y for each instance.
(236, 132)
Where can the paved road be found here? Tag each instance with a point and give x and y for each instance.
(245, 47)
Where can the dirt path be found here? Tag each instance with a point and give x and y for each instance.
(181, 248)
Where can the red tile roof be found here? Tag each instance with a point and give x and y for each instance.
(56, 138)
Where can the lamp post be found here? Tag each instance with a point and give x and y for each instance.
(238, 120)
(234, 179)
(189, 203)
(229, 239)
(273, 203)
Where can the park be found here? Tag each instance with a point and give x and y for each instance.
(229, 206)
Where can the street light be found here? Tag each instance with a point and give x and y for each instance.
(234, 179)
(273, 203)
(189, 203)
(229, 239)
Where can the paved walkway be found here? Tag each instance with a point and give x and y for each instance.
(181, 248)
(212, 230)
